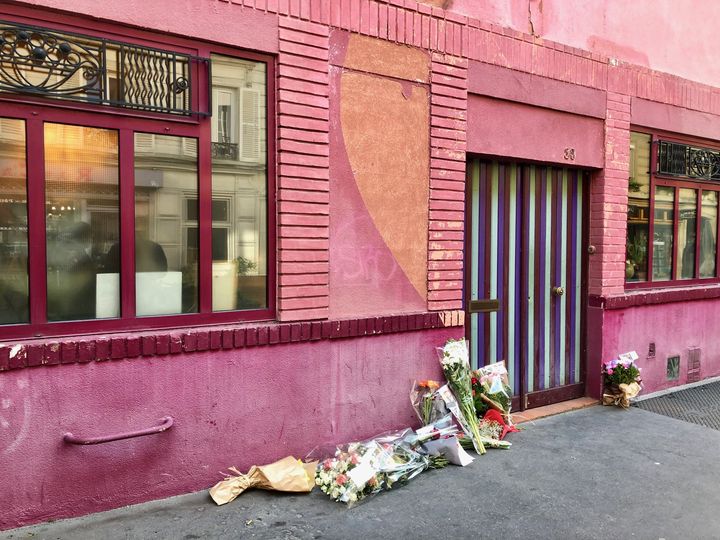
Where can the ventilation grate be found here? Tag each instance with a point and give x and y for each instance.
(673, 368)
(693, 373)
(699, 405)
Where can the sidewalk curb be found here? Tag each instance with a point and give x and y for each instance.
(674, 389)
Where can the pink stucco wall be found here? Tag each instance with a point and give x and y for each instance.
(236, 407)
(213, 21)
(502, 128)
(675, 329)
(669, 29)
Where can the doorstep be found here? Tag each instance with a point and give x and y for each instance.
(555, 408)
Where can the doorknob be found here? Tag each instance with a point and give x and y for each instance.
(558, 291)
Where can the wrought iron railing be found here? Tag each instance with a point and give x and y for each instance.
(223, 150)
(39, 61)
(678, 159)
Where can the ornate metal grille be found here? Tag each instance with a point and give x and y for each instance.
(42, 62)
(223, 150)
(684, 160)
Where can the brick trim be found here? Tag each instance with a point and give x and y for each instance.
(608, 203)
(81, 350)
(448, 145)
(303, 171)
(649, 297)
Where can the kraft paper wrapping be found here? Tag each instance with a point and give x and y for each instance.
(622, 397)
(288, 474)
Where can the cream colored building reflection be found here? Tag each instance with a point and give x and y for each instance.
(239, 140)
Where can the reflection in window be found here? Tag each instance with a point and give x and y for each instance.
(13, 223)
(166, 265)
(239, 276)
(708, 231)
(81, 215)
(687, 231)
(638, 208)
(663, 233)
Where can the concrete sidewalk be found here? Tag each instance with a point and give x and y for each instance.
(598, 473)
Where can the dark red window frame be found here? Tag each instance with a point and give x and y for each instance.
(37, 111)
(676, 182)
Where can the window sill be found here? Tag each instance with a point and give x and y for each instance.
(84, 349)
(648, 297)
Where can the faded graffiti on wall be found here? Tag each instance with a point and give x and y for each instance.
(379, 173)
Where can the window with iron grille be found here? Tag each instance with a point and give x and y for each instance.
(672, 223)
(134, 183)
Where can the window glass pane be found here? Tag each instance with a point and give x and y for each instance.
(638, 208)
(220, 244)
(166, 265)
(687, 231)
(219, 210)
(663, 234)
(13, 223)
(81, 214)
(240, 180)
(708, 233)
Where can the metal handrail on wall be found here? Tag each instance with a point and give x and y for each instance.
(167, 423)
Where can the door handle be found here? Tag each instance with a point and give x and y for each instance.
(558, 291)
(484, 305)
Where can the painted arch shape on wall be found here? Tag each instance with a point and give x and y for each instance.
(380, 175)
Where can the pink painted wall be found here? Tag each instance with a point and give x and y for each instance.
(205, 19)
(674, 36)
(236, 407)
(674, 328)
(505, 128)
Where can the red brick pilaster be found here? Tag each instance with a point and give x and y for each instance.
(608, 202)
(448, 127)
(303, 171)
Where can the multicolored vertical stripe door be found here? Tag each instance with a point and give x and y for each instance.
(526, 278)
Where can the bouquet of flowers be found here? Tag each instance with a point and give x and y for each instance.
(493, 430)
(622, 380)
(456, 367)
(427, 403)
(491, 389)
(361, 469)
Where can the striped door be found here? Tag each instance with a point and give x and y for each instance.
(526, 278)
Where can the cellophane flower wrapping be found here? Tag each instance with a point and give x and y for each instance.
(491, 390)
(426, 401)
(441, 439)
(362, 469)
(455, 361)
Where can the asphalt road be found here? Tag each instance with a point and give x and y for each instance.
(598, 473)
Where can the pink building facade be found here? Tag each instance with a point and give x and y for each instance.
(349, 184)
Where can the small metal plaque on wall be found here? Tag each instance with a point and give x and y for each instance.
(485, 305)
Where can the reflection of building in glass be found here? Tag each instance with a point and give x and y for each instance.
(239, 184)
(13, 223)
(82, 209)
(166, 207)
